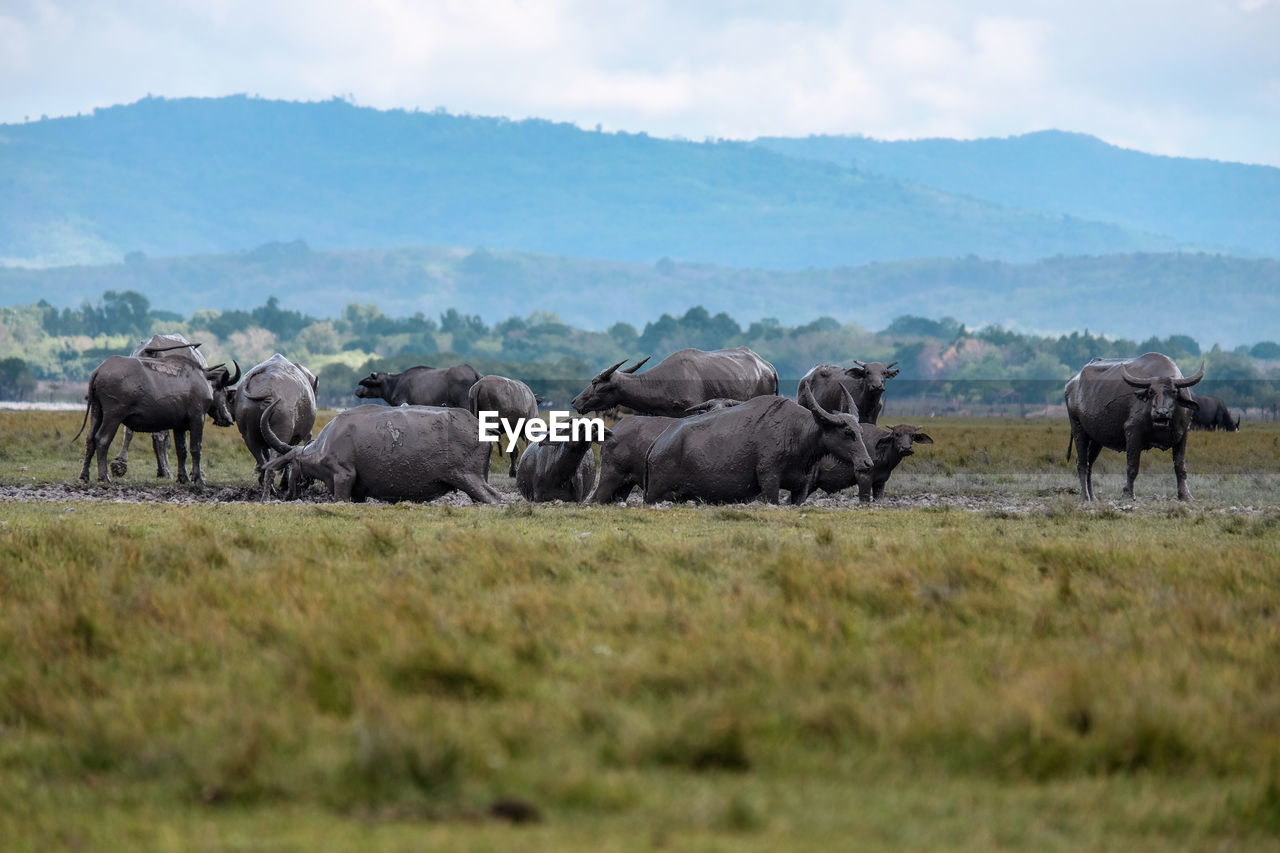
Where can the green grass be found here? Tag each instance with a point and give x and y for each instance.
(338, 676)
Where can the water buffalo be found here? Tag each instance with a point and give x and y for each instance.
(421, 386)
(887, 447)
(864, 382)
(557, 470)
(159, 346)
(623, 455)
(1213, 414)
(290, 390)
(390, 453)
(682, 379)
(751, 450)
(153, 395)
(1130, 405)
(510, 398)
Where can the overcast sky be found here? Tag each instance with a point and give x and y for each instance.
(1197, 78)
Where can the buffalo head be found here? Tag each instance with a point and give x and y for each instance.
(371, 386)
(220, 380)
(904, 436)
(873, 374)
(841, 431)
(602, 393)
(1163, 394)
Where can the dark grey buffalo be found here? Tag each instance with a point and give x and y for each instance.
(174, 346)
(510, 398)
(683, 379)
(390, 453)
(154, 395)
(751, 450)
(286, 387)
(863, 382)
(1213, 414)
(558, 470)
(1130, 405)
(887, 447)
(421, 386)
(623, 455)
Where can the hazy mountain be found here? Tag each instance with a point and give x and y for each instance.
(1213, 298)
(1229, 205)
(170, 177)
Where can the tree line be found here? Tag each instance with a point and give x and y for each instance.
(939, 355)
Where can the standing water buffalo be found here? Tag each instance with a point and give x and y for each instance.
(159, 346)
(753, 449)
(558, 470)
(887, 447)
(286, 387)
(390, 453)
(864, 382)
(152, 395)
(1130, 405)
(421, 386)
(510, 398)
(682, 379)
(623, 454)
(1213, 414)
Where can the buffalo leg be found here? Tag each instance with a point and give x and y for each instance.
(160, 444)
(1133, 458)
(120, 465)
(180, 448)
(344, 482)
(478, 490)
(91, 445)
(1180, 468)
(1084, 465)
(770, 482)
(877, 491)
(1091, 453)
(197, 441)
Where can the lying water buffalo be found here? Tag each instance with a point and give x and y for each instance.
(510, 398)
(289, 389)
(153, 395)
(159, 346)
(1213, 414)
(751, 450)
(421, 386)
(557, 470)
(390, 453)
(863, 382)
(623, 455)
(682, 379)
(1130, 405)
(887, 447)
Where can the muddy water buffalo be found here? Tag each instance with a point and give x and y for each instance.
(863, 382)
(421, 386)
(558, 470)
(154, 395)
(682, 379)
(158, 346)
(1130, 405)
(751, 450)
(510, 398)
(390, 453)
(290, 390)
(623, 455)
(887, 447)
(1213, 414)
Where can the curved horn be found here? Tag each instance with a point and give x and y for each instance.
(170, 347)
(1135, 381)
(1190, 380)
(608, 371)
(861, 364)
(264, 426)
(234, 379)
(633, 368)
(890, 364)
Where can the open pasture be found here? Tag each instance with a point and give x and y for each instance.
(1009, 670)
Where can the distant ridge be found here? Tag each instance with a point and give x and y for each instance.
(1229, 205)
(187, 176)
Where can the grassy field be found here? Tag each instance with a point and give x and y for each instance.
(327, 676)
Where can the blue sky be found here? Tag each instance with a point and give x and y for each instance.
(1198, 78)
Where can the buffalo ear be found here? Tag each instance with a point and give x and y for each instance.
(921, 438)
(537, 399)
(859, 372)
(1188, 404)
(889, 374)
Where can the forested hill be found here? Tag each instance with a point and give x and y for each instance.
(171, 177)
(1232, 205)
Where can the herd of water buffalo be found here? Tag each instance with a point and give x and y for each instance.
(704, 426)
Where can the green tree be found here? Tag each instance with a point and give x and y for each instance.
(17, 382)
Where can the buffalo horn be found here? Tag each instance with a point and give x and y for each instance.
(608, 371)
(859, 363)
(890, 364)
(633, 368)
(234, 379)
(1135, 381)
(1187, 382)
